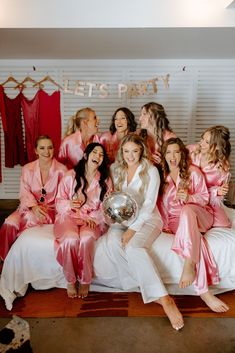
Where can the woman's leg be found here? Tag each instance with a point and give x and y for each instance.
(188, 243)
(88, 237)
(8, 233)
(68, 243)
(200, 264)
(136, 267)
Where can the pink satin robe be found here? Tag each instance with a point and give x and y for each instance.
(188, 221)
(154, 147)
(74, 240)
(72, 149)
(111, 144)
(214, 179)
(30, 193)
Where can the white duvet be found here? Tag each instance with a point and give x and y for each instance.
(32, 260)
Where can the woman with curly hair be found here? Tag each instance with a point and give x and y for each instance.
(129, 245)
(183, 205)
(211, 155)
(123, 122)
(79, 221)
(81, 130)
(155, 129)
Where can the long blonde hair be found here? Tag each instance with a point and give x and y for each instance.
(220, 147)
(120, 166)
(74, 122)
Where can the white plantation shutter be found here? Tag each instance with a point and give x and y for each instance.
(199, 97)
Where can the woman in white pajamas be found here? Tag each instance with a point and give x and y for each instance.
(129, 247)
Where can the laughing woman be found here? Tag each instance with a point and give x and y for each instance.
(79, 221)
(183, 206)
(123, 122)
(129, 246)
(38, 189)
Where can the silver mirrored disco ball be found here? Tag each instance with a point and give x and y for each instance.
(120, 207)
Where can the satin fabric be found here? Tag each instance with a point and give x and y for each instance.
(30, 108)
(188, 221)
(73, 239)
(15, 152)
(153, 146)
(111, 144)
(134, 264)
(4, 123)
(214, 179)
(50, 117)
(72, 149)
(30, 193)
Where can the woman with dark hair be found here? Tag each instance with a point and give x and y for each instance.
(123, 122)
(211, 155)
(79, 221)
(155, 129)
(185, 213)
(38, 188)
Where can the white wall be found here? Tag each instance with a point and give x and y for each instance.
(115, 14)
(199, 97)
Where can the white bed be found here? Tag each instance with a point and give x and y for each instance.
(32, 260)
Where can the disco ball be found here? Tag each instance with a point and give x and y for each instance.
(120, 207)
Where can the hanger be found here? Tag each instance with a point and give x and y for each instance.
(49, 79)
(22, 84)
(10, 79)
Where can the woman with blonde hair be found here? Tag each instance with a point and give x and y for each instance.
(82, 129)
(155, 128)
(128, 246)
(211, 155)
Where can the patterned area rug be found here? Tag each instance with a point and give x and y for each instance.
(55, 303)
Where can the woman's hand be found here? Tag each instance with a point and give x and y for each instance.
(90, 223)
(182, 195)
(40, 212)
(223, 190)
(126, 236)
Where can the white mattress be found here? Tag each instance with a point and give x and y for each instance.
(32, 260)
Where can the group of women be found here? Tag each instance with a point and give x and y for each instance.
(186, 201)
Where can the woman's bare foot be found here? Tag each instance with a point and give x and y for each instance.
(83, 290)
(72, 290)
(172, 312)
(188, 274)
(214, 303)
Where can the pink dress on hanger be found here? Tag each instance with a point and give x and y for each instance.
(215, 178)
(188, 221)
(30, 194)
(75, 241)
(72, 149)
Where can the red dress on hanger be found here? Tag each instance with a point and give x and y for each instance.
(30, 109)
(50, 117)
(4, 123)
(13, 137)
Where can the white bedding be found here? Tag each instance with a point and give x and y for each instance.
(32, 260)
